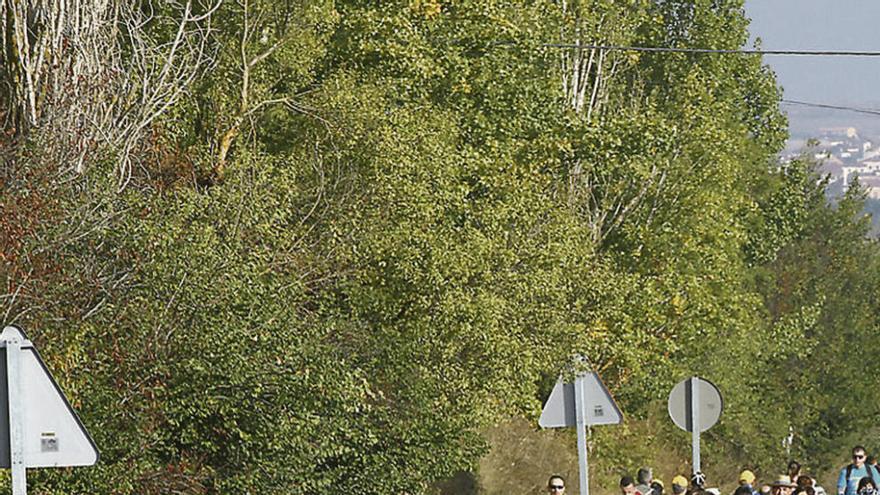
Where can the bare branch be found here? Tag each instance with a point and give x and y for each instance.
(89, 76)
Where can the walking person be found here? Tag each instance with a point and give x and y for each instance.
(645, 476)
(657, 487)
(806, 481)
(628, 486)
(679, 485)
(782, 486)
(794, 470)
(747, 479)
(866, 486)
(851, 474)
(556, 485)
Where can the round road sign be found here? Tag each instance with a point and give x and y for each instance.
(709, 404)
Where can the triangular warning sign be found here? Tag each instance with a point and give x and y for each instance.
(599, 407)
(53, 435)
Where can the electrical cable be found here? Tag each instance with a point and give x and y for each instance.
(745, 51)
(831, 107)
(815, 53)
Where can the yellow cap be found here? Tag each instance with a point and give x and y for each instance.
(747, 476)
(680, 481)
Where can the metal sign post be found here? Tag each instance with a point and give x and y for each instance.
(580, 404)
(580, 401)
(16, 440)
(695, 420)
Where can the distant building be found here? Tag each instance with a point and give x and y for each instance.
(845, 145)
(843, 155)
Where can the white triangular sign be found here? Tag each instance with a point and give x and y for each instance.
(600, 408)
(53, 435)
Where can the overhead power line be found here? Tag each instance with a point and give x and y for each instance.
(868, 111)
(745, 51)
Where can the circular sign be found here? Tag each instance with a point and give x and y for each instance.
(708, 404)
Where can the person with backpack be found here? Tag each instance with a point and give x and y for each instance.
(850, 475)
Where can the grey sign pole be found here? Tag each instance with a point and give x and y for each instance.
(580, 402)
(694, 404)
(16, 433)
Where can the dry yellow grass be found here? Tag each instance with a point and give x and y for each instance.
(522, 457)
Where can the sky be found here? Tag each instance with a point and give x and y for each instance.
(822, 25)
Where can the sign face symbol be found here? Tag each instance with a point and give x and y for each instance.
(48, 443)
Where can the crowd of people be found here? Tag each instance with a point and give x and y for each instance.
(860, 477)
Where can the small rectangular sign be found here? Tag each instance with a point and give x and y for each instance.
(48, 442)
